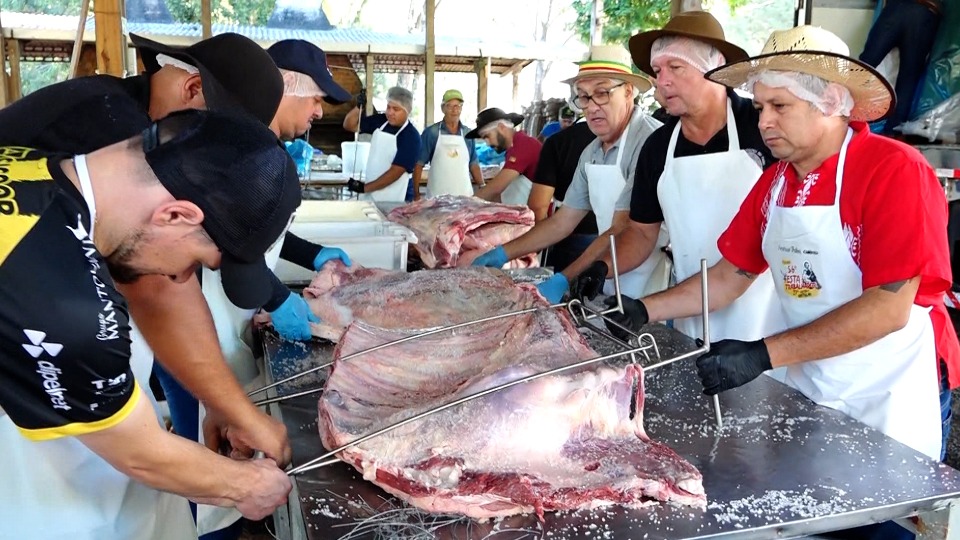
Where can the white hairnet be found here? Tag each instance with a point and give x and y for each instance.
(493, 125)
(300, 84)
(165, 60)
(698, 54)
(401, 96)
(831, 98)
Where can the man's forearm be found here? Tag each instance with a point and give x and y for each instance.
(598, 248)
(176, 322)
(497, 185)
(634, 243)
(476, 174)
(727, 283)
(876, 313)
(385, 179)
(417, 178)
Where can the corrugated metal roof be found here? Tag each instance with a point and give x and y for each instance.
(47, 28)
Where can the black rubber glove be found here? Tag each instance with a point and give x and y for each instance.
(362, 99)
(731, 363)
(356, 186)
(634, 316)
(588, 285)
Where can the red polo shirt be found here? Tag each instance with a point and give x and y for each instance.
(894, 216)
(524, 155)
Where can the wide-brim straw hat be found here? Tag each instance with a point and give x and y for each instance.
(818, 52)
(610, 62)
(697, 25)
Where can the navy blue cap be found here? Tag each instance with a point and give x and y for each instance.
(305, 57)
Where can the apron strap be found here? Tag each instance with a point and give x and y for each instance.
(86, 188)
(733, 136)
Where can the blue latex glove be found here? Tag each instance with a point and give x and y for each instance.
(291, 320)
(554, 288)
(495, 258)
(329, 254)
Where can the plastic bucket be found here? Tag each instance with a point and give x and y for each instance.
(354, 156)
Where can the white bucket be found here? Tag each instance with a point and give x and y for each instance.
(354, 156)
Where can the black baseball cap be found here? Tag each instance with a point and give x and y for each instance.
(567, 112)
(234, 70)
(241, 177)
(488, 116)
(305, 57)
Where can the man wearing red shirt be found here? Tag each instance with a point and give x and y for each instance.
(853, 226)
(512, 184)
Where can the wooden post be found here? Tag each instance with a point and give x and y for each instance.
(4, 98)
(14, 91)
(516, 90)
(482, 67)
(431, 66)
(111, 43)
(205, 18)
(78, 40)
(596, 23)
(370, 61)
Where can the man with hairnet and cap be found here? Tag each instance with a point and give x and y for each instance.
(452, 158)
(394, 149)
(512, 184)
(85, 456)
(868, 335)
(605, 89)
(172, 320)
(694, 172)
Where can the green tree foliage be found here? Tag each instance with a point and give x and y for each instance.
(48, 7)
(622, 18)
(248, 12)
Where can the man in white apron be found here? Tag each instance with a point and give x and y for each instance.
(693, 173)
(512, 184)
(865, 333)
(605, 89)
(92, 460)
(452, 158)
(394, 149)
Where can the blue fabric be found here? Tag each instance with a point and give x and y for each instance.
(552, 128)
(408, 140)
(911, 27)
(946, 408)
(487, 155)
(428, 142)
(564, 252)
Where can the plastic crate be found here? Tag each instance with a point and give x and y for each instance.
(356, 227)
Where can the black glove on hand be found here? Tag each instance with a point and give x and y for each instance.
(634, 316)
(731, 363)
(588, 285)
(362, 99)
(356, 186)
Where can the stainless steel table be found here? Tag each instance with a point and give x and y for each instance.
(781, 467)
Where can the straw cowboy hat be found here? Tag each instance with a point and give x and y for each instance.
(612, 62)
(698, 25)
(818, 52)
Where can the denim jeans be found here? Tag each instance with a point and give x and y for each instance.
(564, 252)
(911, 27)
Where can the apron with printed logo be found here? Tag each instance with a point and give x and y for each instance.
(449, 167)
(605, 183)
(383, 149)
(66, 491)
(890, 384)
(700, 195)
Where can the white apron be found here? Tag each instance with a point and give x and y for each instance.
(450, 167)
(605, 183)
(60, 489)
(518, 191)
(700, 195)
(383, 149)
(891, 384)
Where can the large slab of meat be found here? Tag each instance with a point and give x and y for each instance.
(567, 441)
(453, 231)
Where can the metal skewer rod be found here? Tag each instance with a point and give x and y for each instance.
(285, 397)
(705, 299)
(409, 338)
(319, 462)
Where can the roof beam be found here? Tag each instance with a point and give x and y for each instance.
(516, 68)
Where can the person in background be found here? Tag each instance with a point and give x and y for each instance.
(394, 149)
(513, 183)
(867, 336)
(85, 455)
(605, 89)
(694, 172)
(452, 158)
(565, 118)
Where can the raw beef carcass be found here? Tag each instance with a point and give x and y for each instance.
(453, 231)
(566, 441)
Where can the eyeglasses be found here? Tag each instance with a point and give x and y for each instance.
(454, 106)
(600, 97)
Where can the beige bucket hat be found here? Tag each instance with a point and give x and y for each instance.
(815, 51)
(697, 25)
(610, 61)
